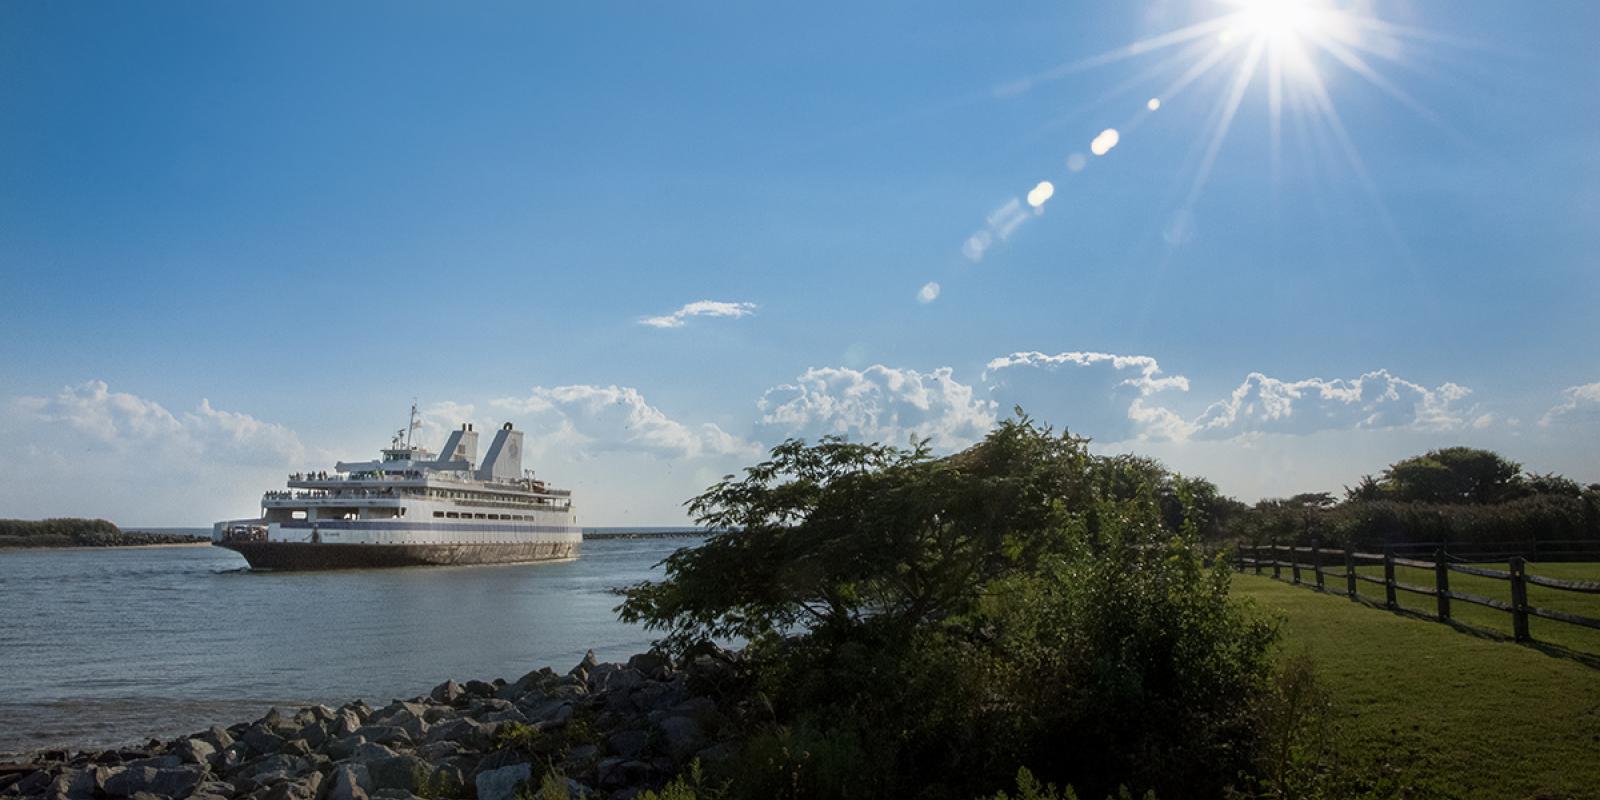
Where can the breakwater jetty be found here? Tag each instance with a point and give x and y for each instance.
(604, 730)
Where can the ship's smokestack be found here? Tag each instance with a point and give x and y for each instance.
(503, 461)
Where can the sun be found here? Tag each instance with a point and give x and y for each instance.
(1279, 23)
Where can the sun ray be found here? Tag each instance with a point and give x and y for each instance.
(1230, 107)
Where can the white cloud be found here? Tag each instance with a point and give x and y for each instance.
(617, 418)
(91, 451)
(700, 308)
(1579, 403)
(122, 422)
(1100, 395)
(928, 293)
(879, 403)
(1374, 400)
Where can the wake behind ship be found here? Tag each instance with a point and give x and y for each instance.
(411, 507)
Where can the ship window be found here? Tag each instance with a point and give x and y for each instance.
(438, 514)
(297, 515)
(482, 516)
(452, 515)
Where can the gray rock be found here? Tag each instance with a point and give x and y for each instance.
(159, 762)
(399, 772)
(588, 663)
(217, 788)
(652, 664)
(448, 692)
(467, 732)
(280, 763)
(313, 734)
(350, 782)
(195, 751)
(217, 737)
(303, 789)
(508, 715)
(394, 794)
(683, 737)
(718, 754)
(628, 743)
(368, 752)
(173, 782)
(480, 689)
(341, 748)
(502, 783)
(582, 755)
(346, 722)
(72, 784)
(261, 740)
(622, 680)
(384, 734)
(437, 714)
(396, 713)
(615, 773)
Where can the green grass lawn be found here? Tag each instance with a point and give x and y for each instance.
(1485, 717)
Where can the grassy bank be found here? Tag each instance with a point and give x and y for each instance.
(1482, 717)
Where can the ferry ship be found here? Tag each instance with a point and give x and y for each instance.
(411, 507)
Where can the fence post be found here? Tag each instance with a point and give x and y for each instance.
(1255, 550)
(1294, 562)
(1349, 572)
(1519, 599)
(1441, 584)
(1238, 558)
(1277, 565)
(1388, 577)
(1316, 562)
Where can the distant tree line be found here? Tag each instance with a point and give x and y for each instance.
(1457, 496)
(74, 532)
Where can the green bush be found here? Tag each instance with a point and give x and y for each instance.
(923, 627)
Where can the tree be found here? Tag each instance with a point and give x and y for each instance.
(1454, 475)
(835, 535)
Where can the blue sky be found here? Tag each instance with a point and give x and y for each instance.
(238, 239)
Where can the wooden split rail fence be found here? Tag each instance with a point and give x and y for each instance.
(1345, 561)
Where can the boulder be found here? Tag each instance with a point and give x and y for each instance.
(468, 733)
(615, 773)
(313, 734)
(72, 784)
(367, 752)
(172, 782)
(622, 680)
(502, 783)
(583, 668)
(282, 763)
(682, 736)
(399, 772)
(340, 749)
(384, 734)
(628, 743)
(261, 740)
(480, 689)
(350, 782)
(301, 789)
(195, 751)
(654, 664)
(448, 692)
(346, 722)
(217, 737)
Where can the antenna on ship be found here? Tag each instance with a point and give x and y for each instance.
(412, 425)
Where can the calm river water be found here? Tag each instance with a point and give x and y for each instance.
(107, 646)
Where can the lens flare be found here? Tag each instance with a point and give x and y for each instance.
(1103, 143)
(1041, 193)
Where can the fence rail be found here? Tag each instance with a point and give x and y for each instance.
(1257, 557)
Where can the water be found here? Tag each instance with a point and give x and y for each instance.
(109, 646)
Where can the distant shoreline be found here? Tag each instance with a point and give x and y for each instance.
(142, 546)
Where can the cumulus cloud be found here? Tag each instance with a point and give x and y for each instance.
(617, 418)
(878, 403)
(90, 451)
(123, 422)
(928, 293)
(1100, 395)
(700, 308)
(1578, 404)
(1375, 400)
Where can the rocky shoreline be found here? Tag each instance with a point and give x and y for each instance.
(610, 730)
